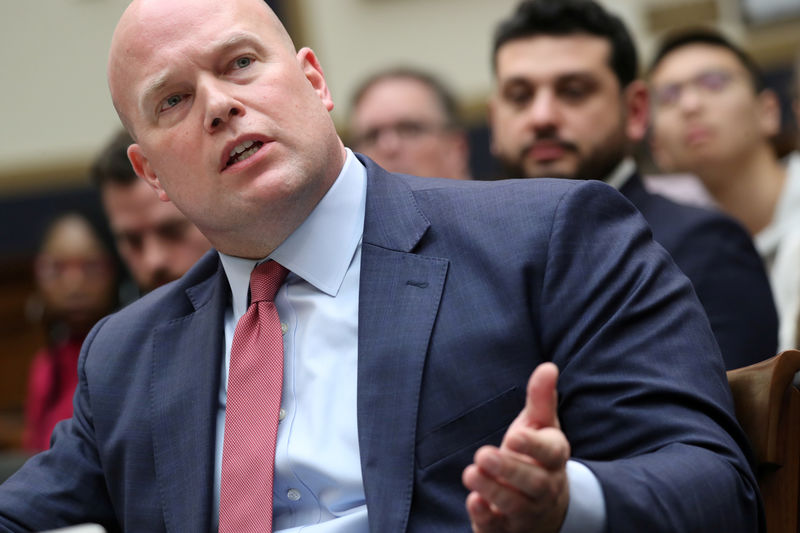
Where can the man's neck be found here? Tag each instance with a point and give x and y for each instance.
(749, 188)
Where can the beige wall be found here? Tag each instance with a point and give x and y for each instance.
(449, 37)
(54, 102)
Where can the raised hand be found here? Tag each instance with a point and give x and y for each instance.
(522, 485)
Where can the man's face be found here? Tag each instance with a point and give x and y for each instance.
(157, 243)
(705, 112)
(400, 124)
(558, 109)
(231, 124)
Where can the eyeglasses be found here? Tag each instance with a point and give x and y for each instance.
(404, 130)
(706, 82)
(50, 269)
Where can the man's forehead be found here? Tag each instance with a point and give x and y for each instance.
(553, 53)
(147, 26)
(403, 90)
(164, 67)
(129, 196)
(689, 59)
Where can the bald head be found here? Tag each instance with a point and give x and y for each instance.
(143, 26)
(231, 123)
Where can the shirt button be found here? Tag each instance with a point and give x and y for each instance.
(281, 414)
(284, 327)
(293, 495)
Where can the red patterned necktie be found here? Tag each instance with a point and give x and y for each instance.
(255, 379)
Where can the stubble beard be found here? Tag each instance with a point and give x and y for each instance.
(597, 164)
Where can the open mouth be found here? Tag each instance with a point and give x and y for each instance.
(243, 151)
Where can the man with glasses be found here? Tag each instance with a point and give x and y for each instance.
(407, 121)
(713, 117)
(568, 104)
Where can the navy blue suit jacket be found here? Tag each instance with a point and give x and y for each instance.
(718, 257)
(465, 289)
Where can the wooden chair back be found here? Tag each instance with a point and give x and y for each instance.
(768, 409)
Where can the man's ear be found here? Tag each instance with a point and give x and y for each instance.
(635, 100)
(141, 165)
(313, 71)
(769, 112)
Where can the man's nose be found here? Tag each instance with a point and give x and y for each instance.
(155, 255)
(387, 142)
(543, 111)
(690, 100)
(221, 106)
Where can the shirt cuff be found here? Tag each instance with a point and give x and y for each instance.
(586, 512)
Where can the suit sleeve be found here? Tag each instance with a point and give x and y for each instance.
(719, 257)
(65, 484)
(643, 397)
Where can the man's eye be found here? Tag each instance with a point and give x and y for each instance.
(243, 62)
(576, 91)
(713, 80)
(573, 92)
(667, 95)
(174, 231)
(132, 242)
(517, 95)
(171, 101)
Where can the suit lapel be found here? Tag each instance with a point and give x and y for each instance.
(398, 302)
(633, 189)
(184, 398)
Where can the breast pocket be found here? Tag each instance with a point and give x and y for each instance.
(484, 424)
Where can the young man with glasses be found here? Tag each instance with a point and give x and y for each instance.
(713, 117)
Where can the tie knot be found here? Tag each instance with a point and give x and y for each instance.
(265, 281)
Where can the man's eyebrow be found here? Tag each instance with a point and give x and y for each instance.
(563, 77)
(237, 39)
(580, 74)
(153, 88)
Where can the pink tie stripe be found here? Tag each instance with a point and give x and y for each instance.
(255, 380)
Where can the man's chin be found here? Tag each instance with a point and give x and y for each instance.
(529, 169)
(154, 284)
(549, 171)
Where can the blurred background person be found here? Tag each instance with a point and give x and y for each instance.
(568, 104)
(76, 280)
(712, 117)
(156, 241)
(407, 121)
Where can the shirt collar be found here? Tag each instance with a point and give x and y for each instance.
(622, 173)
(321, 248)
(786, 216)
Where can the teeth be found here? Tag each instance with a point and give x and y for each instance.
(243, 151)
(247, 153)
(241, 148)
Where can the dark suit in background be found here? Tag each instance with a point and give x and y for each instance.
(465, 288)
(718, 257)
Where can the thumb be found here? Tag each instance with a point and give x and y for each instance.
(541, 403)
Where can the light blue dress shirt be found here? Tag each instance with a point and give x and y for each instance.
(318, 486)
